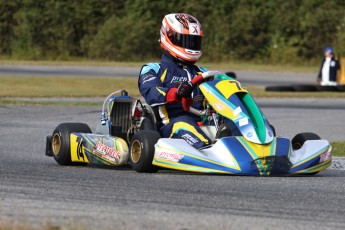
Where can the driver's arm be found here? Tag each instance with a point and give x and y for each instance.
(151, 88)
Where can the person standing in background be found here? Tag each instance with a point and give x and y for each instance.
(329, 68)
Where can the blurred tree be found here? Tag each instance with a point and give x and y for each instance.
(318, 26)
(261, 30)
(7, 24)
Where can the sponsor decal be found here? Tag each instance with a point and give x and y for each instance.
(219, 106)
(178, 79)
(106, 152)
(325, 156)
(266, 163)
(195, 30)
(174, 157)
(244, 121)
(237, 111)
(80, 153)
(150, 79)
(191, 140)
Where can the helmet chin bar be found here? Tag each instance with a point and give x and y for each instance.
(176, 59)
(193, 51)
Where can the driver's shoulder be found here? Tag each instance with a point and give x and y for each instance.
(150, 67)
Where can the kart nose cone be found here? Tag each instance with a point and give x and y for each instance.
(272, 165)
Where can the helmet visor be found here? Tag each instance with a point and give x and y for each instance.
(187, 41)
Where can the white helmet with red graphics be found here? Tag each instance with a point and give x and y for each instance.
(181, 37)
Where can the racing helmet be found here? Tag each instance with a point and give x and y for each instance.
(181, 37)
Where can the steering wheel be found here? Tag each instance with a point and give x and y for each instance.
(187, 102)
(205, 75)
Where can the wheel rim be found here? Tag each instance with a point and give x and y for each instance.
(135, 151)
(56, 144)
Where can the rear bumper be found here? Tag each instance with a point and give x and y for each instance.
(49, 151)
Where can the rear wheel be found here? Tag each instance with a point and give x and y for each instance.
(298, 141)
(60, 142)
(147, 124)
(142, 151)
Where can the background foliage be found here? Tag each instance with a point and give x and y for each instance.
(268, 31)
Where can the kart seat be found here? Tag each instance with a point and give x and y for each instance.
(153, 121)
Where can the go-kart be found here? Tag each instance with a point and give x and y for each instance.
(128, 134)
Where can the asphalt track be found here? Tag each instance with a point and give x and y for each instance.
(257, 78)
(36, 191)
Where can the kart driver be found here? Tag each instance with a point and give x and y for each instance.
(164, 85)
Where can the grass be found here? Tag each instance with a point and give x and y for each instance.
(338, 148)
(32, 86)
(226, 65)
(70, 63)
(26, 86)
(22, 102)
(260, 92)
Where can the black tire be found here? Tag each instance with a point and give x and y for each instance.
(298, 141)
(142, 151)
(304, 88)
(147, 124)
(280, 89)
(273, 130)
(231, 74)
(327, 88)
(61, 141)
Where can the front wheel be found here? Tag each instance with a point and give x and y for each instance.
(298, 141)
(142, 151)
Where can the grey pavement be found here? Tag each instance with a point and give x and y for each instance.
(35, 190)
(72, 71)
(338, 163)
(290, 116)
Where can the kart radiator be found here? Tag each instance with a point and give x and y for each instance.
(121, 119)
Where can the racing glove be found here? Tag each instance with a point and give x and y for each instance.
(184, 90)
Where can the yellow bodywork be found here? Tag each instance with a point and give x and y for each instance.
(77, 150)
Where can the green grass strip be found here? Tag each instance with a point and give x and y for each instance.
(338, 148)
(18, 102)
(33, 86)
(41, 86)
